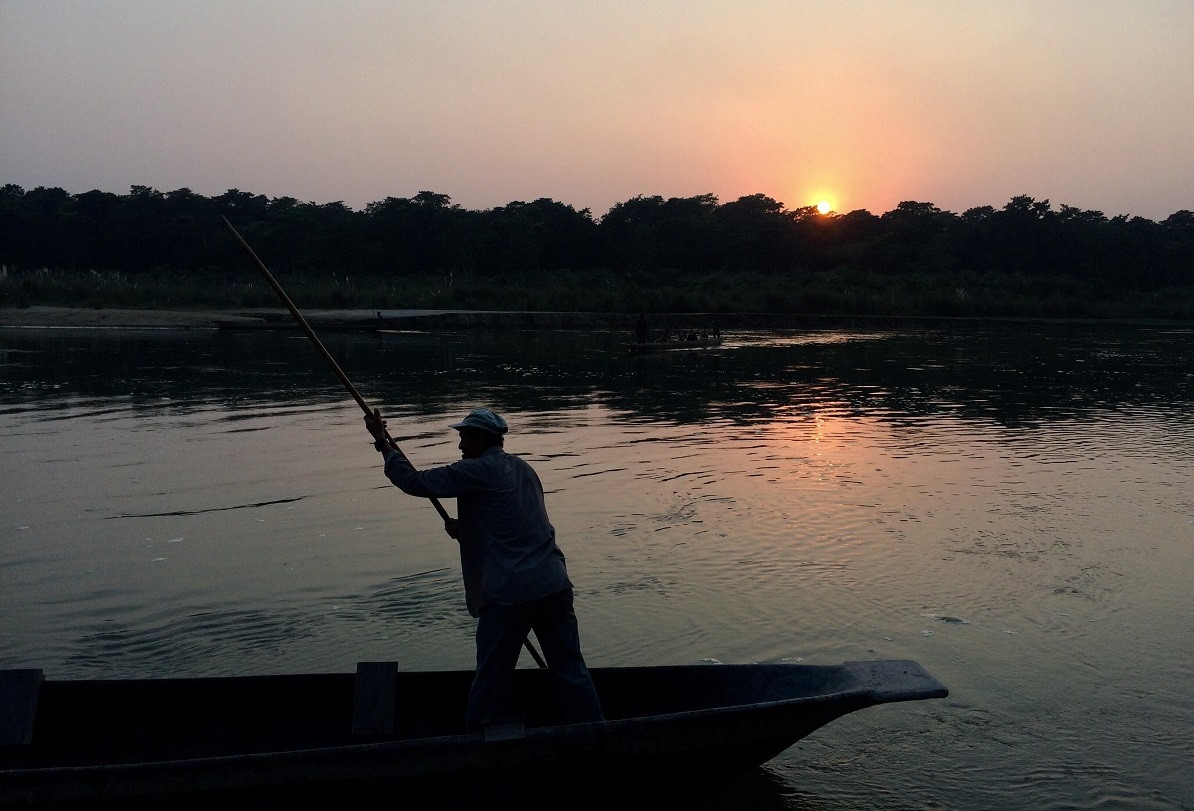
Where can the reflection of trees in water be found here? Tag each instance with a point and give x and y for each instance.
(1003, 376)
(1007, 374)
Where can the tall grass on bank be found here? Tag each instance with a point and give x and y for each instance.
(843, 291)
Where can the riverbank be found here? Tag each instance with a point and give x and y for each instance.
(49, 317)
(42, 316)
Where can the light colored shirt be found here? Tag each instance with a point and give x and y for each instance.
(508, 551)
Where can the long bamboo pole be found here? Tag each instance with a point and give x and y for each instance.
(302, 322)
(356, 395)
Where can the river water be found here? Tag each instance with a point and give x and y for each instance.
(1010, 505)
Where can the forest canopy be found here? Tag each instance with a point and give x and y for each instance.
(147, 229)
(646, 237)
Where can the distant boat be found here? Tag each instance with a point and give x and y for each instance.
(680, 343)
(336, 739)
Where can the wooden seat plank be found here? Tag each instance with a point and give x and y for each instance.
(19, 690)
(375, 698)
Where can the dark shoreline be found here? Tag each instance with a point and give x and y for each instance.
(430, 320)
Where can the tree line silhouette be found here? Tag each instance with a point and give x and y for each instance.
(147, 230)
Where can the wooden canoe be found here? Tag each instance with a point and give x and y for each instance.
(340, 738)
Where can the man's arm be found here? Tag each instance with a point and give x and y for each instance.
(403, 470)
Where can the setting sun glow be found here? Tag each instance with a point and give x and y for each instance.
(824, 207)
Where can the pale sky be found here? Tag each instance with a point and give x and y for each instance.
(960, 103)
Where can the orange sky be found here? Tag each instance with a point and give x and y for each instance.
(865, 104)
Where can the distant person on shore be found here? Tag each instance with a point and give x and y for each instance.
(640, 329)
(515, 580)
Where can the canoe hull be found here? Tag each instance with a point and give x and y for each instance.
(703, 722)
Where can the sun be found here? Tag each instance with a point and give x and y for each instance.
(823, 207)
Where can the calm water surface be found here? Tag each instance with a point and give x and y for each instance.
(1012, 506)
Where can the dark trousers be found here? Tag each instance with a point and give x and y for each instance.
(501, 630)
